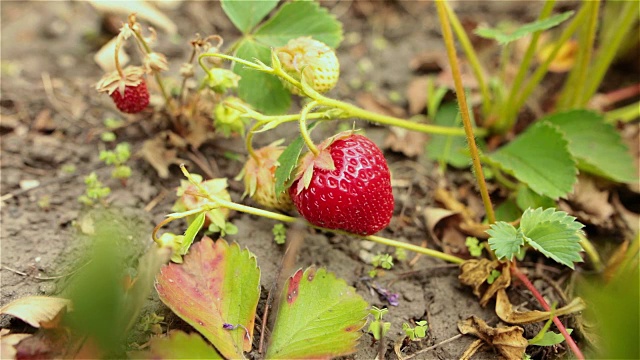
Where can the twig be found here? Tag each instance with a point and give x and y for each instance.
(19, 192)
(15, 271)
(456, 337)
(263, 326)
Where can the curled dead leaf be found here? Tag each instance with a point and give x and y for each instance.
(589, 203)
(36, 310)
(157, 153)
(506, 313)
(143, 10)
(507, 340)
(105, 59)
(410, 143)
(379, 105)
(475, 273)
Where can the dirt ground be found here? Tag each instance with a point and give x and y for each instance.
(52, 118)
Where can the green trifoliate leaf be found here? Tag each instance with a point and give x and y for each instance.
(504, 38)
(263, 92)
(553, 233)
(300, 18)
(540, 158)
(319, 317)
(247, 14)
(596, 144)
(505, 240)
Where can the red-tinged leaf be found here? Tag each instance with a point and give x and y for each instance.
(177, 345)
(319, 317)
(216, 284)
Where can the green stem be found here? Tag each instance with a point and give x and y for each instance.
(514, 90)
(609, 49)
(464, 109)
(249, 140)
(592, 253)
(349, 109)
(625, 114)
(476, 67)
(304, 132)
(217, 202)
(540, 72)
(577, 89)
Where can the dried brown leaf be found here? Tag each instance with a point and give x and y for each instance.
(506, 313)
(475, 273)
(158, 155)
(8, 343)
(143, 10)
(589, 203)
(105, 56)
(379, 105)
(417, 94)
(35, 310)
(472, 349)
(410, 143)
(507, 340)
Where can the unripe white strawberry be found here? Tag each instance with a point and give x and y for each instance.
(315, 58)
(259, 178)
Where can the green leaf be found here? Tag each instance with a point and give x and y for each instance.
(262, 91)
(508, 211)
(319, 317)
(449, 149)
(177, 345)
(288, 161)
(216, 284)
(247, 14)
(553, 233)
(300, 18)
(540, 158)
(549, 339)
(191, 233)
(526, 198)
(503, 38)
(596, 144)
(505, 240)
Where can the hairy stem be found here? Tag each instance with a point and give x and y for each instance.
(464, 109)
(476, 67)
(576, 351)
(348, 109)
(217, 202)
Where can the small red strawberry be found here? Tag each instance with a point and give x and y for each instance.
(127, 88)
(133, 99)
(347, 186)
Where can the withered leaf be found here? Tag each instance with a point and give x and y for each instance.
(410, 143)
(35, 310)
(506, 313)
(507, 340)
(475, 273)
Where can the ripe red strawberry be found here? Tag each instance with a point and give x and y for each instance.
(133, 99)
(347, 186)
(127, 88)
